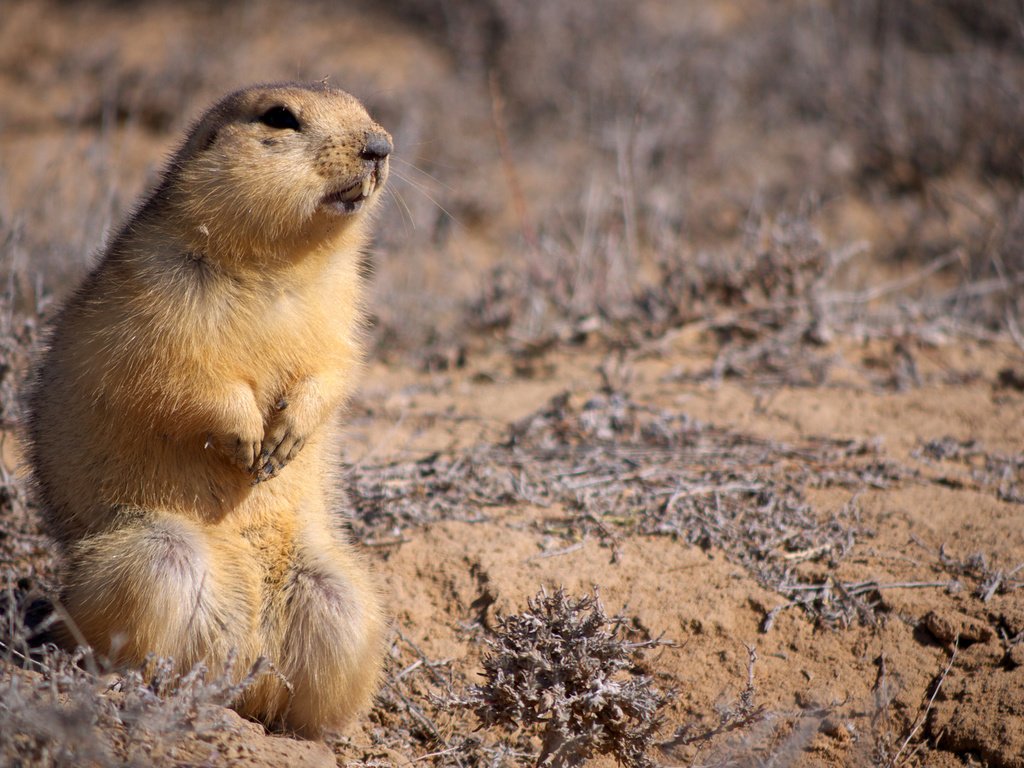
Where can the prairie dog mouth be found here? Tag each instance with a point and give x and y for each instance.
(350, 199)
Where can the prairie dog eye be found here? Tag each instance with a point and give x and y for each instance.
(280, 117)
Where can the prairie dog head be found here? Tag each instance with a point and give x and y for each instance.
(269, 168)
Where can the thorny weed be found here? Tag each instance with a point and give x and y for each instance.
(562, 669)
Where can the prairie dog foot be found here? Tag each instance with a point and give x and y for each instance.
(244, 451)
(327, 630)
(157, 586)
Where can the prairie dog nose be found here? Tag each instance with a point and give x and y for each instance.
(378, 146)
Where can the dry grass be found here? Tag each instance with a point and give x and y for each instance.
(60, 709)
(894, 101)
(609, 467)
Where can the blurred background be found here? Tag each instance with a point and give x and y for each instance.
(567, 172)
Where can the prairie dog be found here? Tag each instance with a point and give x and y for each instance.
(181, 423)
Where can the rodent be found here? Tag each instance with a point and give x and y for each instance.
(182, 427)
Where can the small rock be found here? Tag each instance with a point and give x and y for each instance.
(837, 729)
(949, 627)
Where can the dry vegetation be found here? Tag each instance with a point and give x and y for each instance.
(715, 307)
(563, 668)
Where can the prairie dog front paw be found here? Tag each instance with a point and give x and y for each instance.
(238, 430)
(283, 438)
(242, 450)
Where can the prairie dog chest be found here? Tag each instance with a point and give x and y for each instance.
(285, 320)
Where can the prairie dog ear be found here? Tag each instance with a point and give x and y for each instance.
(200, 138)
(205, 140)
(203, 133)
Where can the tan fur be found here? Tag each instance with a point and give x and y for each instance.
(181, 422)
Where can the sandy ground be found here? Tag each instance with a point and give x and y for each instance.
(831, 695)
(886, 621)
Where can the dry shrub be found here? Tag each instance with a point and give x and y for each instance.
(770, 302)
(921, 88)
(564, 670)
(888, 98)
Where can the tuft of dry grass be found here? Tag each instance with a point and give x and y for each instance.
(59, 709)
